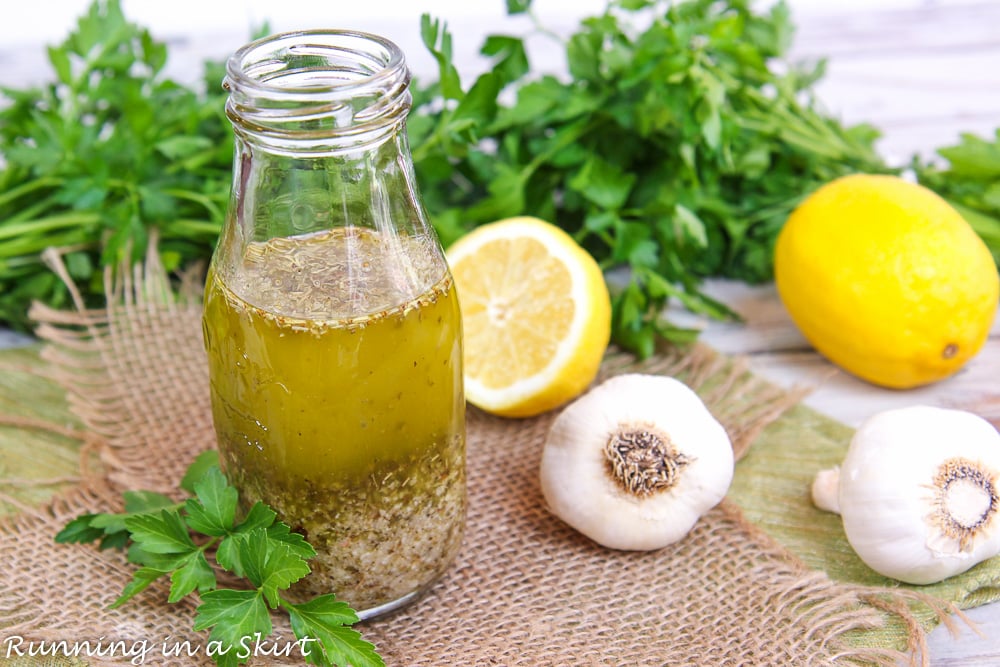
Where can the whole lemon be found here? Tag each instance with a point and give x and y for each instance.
(886, 280)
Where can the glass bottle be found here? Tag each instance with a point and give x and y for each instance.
(331, 322)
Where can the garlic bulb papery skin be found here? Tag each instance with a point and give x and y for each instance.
(635, 462)
(918, 493)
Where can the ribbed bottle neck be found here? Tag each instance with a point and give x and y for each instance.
(319, 92)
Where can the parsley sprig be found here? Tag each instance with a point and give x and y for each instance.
(176, 539)
(672, 146)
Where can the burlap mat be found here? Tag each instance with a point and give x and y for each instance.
(525, 589)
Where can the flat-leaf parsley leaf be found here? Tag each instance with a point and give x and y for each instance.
(175, 539)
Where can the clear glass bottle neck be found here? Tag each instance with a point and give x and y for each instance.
(317, 93)
(323, 183)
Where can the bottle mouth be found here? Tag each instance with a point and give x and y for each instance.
(313, 86)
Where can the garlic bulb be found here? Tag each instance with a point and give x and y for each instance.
(635, 462)
(918, 493)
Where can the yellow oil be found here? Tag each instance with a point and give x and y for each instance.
(336, 387)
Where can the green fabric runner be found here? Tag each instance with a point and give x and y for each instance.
(42, 462)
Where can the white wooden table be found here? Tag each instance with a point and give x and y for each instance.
(921, 70)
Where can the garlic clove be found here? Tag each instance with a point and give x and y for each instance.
(635, 462)
(918, 493)
(826, 489)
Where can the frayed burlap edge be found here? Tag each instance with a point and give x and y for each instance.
(96, 356)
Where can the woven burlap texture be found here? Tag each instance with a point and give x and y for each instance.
(525, 589)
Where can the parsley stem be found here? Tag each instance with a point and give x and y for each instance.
(212, 207)
(186, 226)
(33, 210)
(540, 28)
(21, 263)
(29, 187)
(21, 229)
(36, 244)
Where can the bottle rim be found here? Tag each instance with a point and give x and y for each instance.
(393, 65)
(317, 85)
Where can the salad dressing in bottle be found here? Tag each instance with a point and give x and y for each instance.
(331, 322)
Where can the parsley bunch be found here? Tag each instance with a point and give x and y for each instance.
(676, 147)
(673, 149)
(175, 539)
(106, 152)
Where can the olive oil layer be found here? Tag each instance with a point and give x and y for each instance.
(351, 427)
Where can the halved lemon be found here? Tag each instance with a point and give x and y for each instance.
(536, 315)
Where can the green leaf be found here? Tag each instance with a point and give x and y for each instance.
(153, 53)
(986, 226)
(260, 516)
(118, 540)
(195, 574)
(163, 562)
(177, 147)
(478, 106)
(280, 532)
(79, 265)
(781, 27)
(61, 64)
(629, 321)
(633, 244)
(692, 226)
(110, 523)
(227, 554)
(518, 6)
(510, 60)
(991, 196)
(214, 510)
(233, 616)
(634, 5)
(324, 618)
(79, 530)
(82, 193)
(437, 39)
(201, 465)
(156, 204)
(271, 565)
(711, 125)
(675, 334)
(110, 528)
(506, 195)
(534, 100)
(643, 252)
(164, 533)
(137, 502)
(599, 221)
(141, 580)
(973, 157)
(603, 183)
(583, 52)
